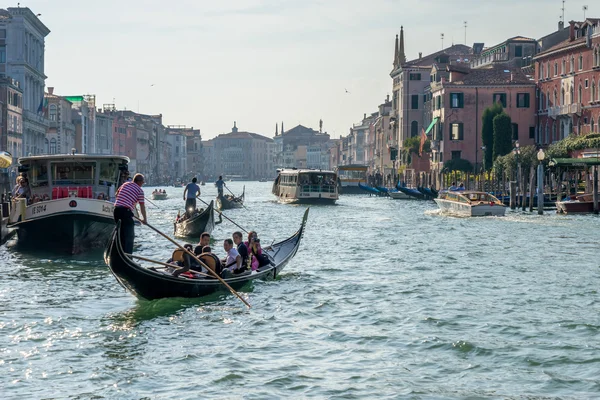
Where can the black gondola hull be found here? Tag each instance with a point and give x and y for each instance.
(150, 285)
(195, 226)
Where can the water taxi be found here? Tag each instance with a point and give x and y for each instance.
(470, 204)
(70, 208)
(308, 186)
(349, 176)
(158, 194)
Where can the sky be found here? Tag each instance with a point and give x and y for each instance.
(206, 64)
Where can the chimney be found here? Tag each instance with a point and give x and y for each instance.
(571, 30)
(365, 116)
(387, 98)
(420, 55)
(50, 89)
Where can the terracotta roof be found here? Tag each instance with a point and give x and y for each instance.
(493, 76)
(243, 135)
(455, 50)
(562, 45)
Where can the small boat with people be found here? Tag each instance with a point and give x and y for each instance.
(230, 201)
(64, 202)
(159, 194)
(305, 186)
(155, 282)
(194, 223)
(469, 203)
(350, 177)
(577, 204)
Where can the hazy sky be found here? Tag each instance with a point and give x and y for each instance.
(260, 62)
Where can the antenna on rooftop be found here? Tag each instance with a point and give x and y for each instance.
(584, 8)
(465, 33)
(442, 37)
(563, 11)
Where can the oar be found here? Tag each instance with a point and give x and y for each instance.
(152, 202)
(165, 264)
(196, 258)
(223, 215)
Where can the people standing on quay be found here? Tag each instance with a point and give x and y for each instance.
(219, 184)
(191, 192)
(128, 195)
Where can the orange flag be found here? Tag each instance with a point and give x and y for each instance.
(423, 139)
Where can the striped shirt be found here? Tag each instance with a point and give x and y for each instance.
(128, 195)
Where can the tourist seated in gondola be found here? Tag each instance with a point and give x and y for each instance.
(242, 250)
(204, 241)
(232, 264)
(254, 250)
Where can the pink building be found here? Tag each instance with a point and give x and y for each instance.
(568, 79)
(459, 95)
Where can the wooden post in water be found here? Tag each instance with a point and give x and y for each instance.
(531, 191)
(595, 197)
(513, 193)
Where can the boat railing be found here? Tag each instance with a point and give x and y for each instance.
(318, 188)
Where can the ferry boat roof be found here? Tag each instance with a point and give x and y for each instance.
(72, 157)
(353, 166)
(305, 170)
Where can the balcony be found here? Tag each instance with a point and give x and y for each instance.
(567, 109)
(30, 116)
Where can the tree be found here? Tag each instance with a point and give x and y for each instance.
(487, 133)
(458, 164)
(502, 135)
(411, 146)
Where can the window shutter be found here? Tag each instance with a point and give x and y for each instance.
(460, 131)
(526, 100)
(461, 100)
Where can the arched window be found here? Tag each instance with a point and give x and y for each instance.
(52, 146)
(553, 138)
(580, 62)
(593, 95)
(52, 112)
(414, 129)
(548, 69)
(555, 103)
(562, 96)
(571, 95)
(547, 99)
(579, 95)
(555, 68)
(541, 71)
(592, 125)
(572, 65)
(563, 69)
(46, 146)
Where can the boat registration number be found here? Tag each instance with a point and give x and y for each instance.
(38, 209)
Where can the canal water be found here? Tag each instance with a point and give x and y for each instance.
(385, 299)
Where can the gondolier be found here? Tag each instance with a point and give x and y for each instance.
(128, 195)
(191, 192)
(219, 184)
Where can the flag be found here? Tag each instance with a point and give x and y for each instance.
(423, 140)
(43, 106)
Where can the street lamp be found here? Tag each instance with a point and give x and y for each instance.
(517, 151)
(540, 181)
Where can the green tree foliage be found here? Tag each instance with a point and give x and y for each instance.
(564, 147)
(411, 146)
(502, 135)
(508, 162)
(487, 133)
(458, 164)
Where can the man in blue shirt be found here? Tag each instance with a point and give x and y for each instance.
(191, 192)
(219, 184)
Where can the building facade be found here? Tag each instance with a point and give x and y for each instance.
(11, 128)
(60, 137)
(568, 80)
(292, 147)
(22, 46)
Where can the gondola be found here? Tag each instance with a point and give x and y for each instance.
(153, 284)
(370, 189)
(411, 192)
(159, 196)
(426, 192)
(228, 201)
(203, 221)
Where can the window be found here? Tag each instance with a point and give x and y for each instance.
(579, 95)
(457, 100)
(580, 62)
(500, 98)
(563, 69)
(518, 51)
(587, 84)
(548, 69)
(555, 68)
(532, 132)
(593, 94)
(414, 77)
(456, 155)
(2, 54)
(541, 72)
(522, 100)
(52, 146)
(438, 102)
(414, 101)
(515, 131)
(456, 131)
(548, 99)
(572, 65)
(414, 129)
(52, 113)
(46, 146)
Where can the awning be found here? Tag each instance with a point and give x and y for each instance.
(574, 162)
(5, 159)
(431, 125)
